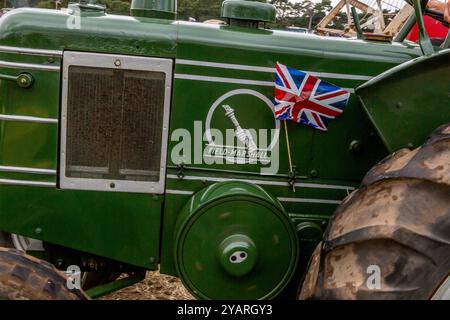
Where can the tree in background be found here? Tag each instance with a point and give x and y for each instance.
(200, 10)
(116, 6)
(310, 13)
(284, 11)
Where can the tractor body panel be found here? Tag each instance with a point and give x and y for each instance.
(213, 65)
(405, 103)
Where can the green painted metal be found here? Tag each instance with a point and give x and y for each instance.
(210, 62)
(159, 9)
(107, 288)
(359, 33)
(239, 238)
(409, 101)
(404, 31)
(248, 10)
(424, 40)
(446, 43)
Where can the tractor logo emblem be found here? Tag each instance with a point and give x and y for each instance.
(241, 128)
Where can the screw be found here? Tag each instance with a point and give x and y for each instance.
(112, 185)
(38, 231)
(117, 63)
(313, 173)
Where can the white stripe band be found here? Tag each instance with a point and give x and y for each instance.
(28, 66)
(264, 182)
(35, 52)
(268, 70)
(232, 80)
(224, 80)
(306, 200)
(184, 192)
(27, 183)
(27, 170)
(9, 117)
(302, 200)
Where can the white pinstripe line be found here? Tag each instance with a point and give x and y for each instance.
(306, 200)
(268, 70)
(169, 191)
(232, 80)
(27, 183)
(10, 117)
(28, 66)
(27, 170)
(224, 80)
(30, 51)
(264, 182)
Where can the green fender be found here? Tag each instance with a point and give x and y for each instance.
(409, 101)
(233, 240)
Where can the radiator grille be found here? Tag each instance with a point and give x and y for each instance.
(114, 123)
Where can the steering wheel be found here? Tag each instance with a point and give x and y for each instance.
(437, 15)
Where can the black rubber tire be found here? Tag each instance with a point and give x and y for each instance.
(5, 240)
(90, 279)
(399, 222)
(23, 277)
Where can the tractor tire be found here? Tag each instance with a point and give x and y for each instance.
(5, 240)
(89, 279)
(390, 239)
(23, 277)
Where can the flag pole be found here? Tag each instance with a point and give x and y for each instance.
(291, 170)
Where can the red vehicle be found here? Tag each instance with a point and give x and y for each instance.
(436, 31)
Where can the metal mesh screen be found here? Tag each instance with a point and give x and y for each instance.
(114, 124)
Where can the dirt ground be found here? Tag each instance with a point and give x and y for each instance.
(155, 287)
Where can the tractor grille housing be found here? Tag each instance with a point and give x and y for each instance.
(115, 119)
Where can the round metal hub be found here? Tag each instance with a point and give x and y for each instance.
(236, 249)
(238, 255)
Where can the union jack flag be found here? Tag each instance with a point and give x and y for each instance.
(306, 99)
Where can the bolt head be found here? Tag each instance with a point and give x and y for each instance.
(25, 80)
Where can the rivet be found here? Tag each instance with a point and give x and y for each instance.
(117, 63)
(355, 146)
(38, 230)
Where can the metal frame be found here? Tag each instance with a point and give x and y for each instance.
(110, 61)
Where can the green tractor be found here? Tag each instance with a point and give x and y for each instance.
(113, 158)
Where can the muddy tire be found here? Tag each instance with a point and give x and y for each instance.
(5, 240)
(391, 238)
(23, 277)
(89, 279)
